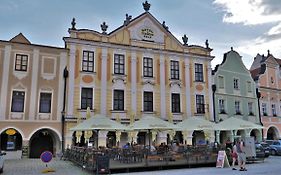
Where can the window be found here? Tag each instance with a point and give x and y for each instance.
(148, 101)
(18, 101)
(176, 103)
(119, 64)
(88, 61)
(200, 104)
(118, 100)
(21, 62)
(147, 67)
(237, 107)
(199, 72)
(264, 110)
(250, 108)
(221, 82)
(87, 98)
(235, 83)
(273, 108)
(249, 86)
(45, 102)
(221, 106)
(175, 70)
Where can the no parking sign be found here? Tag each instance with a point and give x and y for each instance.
(46, 157)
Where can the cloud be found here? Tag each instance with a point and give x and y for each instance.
(254, 13)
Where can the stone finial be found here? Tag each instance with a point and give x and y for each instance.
(104, 27)
(165, 26)
(231, 48)
(73, 23)
(146, 6)
(207, 43)
(268, 52)
(128, 19)
(185, 39)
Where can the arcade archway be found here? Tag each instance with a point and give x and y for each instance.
(272, 133)
(11, 140)
(43, 140)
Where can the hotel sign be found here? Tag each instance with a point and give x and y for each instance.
(146, 33)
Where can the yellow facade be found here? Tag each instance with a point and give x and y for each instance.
(129, 40)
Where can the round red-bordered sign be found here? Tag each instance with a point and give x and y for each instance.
(46, 156)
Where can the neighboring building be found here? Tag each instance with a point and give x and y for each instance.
(31, 93)
(266, 72)
(235, 96)
(137, 69)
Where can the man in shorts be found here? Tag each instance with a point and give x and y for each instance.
(240, 147)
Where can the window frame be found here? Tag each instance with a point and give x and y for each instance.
(118, 65)
(88, 99)
(118, 98)
(20, 100)
(47, 100)
(199, 72)
(147, 68)
(87, 66)
(237, 107)
(236, 83)
(175, 103)
(273, 110)
(200, 107)
(264, 109)
(222, 106)
(175, 70)
(147, 101)
(19, 62)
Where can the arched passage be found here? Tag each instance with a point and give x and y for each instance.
(198, 138)
(111, 139)
(43, 140)
(256, 134)
(11, 140)
(272, 133)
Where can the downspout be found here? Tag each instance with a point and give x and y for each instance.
(214, 88)
(259, 96)
(65, 76)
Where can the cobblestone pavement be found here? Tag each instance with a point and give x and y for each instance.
(35, 167)
(270, 166)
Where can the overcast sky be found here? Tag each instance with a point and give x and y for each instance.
(249, 26)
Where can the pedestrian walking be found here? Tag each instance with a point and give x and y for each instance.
(234, 155)
(240, 147)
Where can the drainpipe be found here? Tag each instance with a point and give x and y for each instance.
(259, 96)
(65, 76)
(214, 88)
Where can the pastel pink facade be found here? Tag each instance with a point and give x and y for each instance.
(266, 72)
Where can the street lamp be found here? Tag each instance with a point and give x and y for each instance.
(65, 76)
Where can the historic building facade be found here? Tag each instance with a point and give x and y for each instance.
(137, 69)
(266, 72)
(31, 94)
(235, 96)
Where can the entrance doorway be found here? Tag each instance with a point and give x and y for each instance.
(43, 140)
(11, 140)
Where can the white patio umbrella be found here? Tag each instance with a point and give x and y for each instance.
(234, 123)
(99, 122)
(195, 124)
(149, 123)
